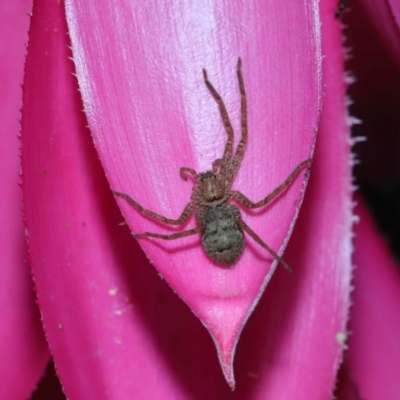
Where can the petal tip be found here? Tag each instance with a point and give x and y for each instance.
(226, 353)
(226, 362)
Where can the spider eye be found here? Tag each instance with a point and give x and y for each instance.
(206, 176)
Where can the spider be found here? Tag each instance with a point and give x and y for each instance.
(219, 222)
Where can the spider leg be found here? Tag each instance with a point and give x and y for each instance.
(237, 159)
(225, 119)
(184, 216)
(242, 199)
(190, 171)
(216, 165)
(247, 229)
(171, 236)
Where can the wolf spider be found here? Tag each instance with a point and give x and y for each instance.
(219, 222)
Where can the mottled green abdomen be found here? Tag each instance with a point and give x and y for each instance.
(222, 238)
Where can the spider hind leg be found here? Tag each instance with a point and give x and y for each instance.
(256, 238)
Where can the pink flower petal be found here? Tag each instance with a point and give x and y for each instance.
(385, 16)
(23, 349)
(115, 328)
(375, 101)
(305, 317)
(82, 259)
(140, 72)
(395, 7)
(373, 358)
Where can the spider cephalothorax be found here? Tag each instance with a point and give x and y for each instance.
(220, 222)
(209, 189)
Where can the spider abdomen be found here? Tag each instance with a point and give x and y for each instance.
(222, 238)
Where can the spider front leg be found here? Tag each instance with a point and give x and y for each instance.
(190, 171)
(237, 159)
(216, 165)
(225, 119)
(184, 216)
(242, 199)
(247, 229)
(171, 236)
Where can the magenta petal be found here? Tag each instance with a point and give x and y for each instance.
(304, 316)
(385, 16)
(373, 358)
(23, 349)
(116, 330)
(395, 7)
(82, 275)
(140, 73)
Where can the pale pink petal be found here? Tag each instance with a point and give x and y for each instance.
(115, 329)
(140, 72)
(384, 15)
(23, 349)
(373, 358)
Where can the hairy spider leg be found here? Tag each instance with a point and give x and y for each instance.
(257, 238)
(187, 211)
(237, 159)
(226, 159)
(171, 236)
(190, 171)
(242, 199)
